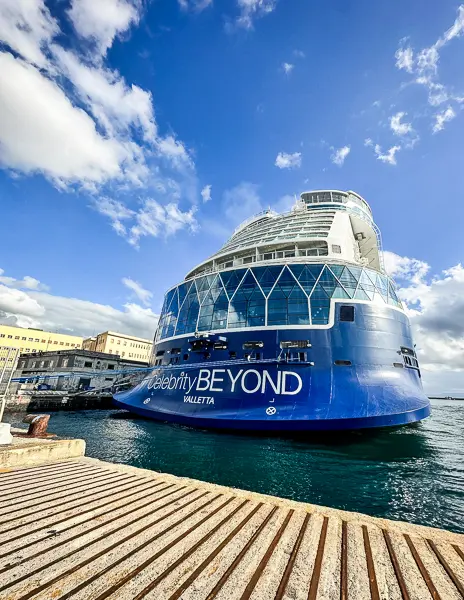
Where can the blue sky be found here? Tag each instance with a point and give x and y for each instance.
(116, 115)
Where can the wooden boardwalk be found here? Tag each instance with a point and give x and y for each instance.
(89, 530)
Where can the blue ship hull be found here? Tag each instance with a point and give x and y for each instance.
(353, 376)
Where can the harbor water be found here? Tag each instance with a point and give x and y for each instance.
(413, 473)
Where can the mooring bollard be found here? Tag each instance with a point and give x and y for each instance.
(37, 425)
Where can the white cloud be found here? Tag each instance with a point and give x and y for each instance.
(43, 310)
(287, 68)
(27, 282)
(251, 10)
(116, 106)
(424, 65)
(436, 309)
(404, 268)
(142, 294)
(154, 219)
(101, 21)
(368, 142)
(338, 156)
(299, 54)
(398, 127)
(195, 5)
(79, 124)
(206, 193)
(405, 59)
(288, 161)
(27, 26)
(175, 151)
(389, 156)
(442, 118)
(41, 131)
(116, 211)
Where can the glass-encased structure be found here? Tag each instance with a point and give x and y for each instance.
(292, 294)
(293, 325)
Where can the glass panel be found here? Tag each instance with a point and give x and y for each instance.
(286, 283)
(202, 284)
(183, 289)
(306, 276)
(355, 271)
(347, 279)
(328, 282)
(267, 276)
(277, 311)
(319, 313)
(337, 270)
(231, 280)
(366, 283)
(248, 286)
(339, 292)
(361, 294)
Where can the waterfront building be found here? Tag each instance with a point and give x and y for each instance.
(72, 370)
(126, 346)
(292, 325)
(29, 339)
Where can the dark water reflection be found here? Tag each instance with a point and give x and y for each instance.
(414, 473)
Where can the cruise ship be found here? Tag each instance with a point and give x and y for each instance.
(292, 326)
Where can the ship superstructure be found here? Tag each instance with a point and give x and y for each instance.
(292, 325)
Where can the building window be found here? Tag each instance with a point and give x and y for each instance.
(37, 341)
(43, 341)
(346, 313)
(3, 335)
(111, 352)
(67, 344)
(23, 338)
(61, 343)
(55, 342)
(119, 341)
(16, 337)
(336, 249)
(10, 337)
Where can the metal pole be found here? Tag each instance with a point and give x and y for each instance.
(2, 405)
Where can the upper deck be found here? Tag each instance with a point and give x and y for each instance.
(330, 223)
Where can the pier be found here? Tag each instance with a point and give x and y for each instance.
(91, 530)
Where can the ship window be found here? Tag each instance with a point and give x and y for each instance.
(186, 356)
(336, 249)
(232, 354)
(160, 353)
(344, 363)
(398, 365)
(175, 350)
(346, 313)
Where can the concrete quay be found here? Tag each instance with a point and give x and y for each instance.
(83, 529)
(26, 452)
